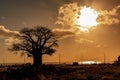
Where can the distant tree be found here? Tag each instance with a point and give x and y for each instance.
(117, 61)
(36, 42)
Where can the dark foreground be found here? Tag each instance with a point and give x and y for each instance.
(60, 72)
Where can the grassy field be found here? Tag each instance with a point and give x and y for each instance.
(60, 72)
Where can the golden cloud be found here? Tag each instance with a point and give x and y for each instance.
(109, 17)
(4, 33)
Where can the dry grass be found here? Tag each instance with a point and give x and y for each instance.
(61, 72)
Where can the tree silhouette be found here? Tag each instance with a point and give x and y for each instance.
(36, 42)
(117, 61)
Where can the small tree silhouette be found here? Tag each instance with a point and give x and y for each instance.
(117, 61)
(36, 42)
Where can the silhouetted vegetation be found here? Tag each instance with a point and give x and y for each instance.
(60, 72)
(36, 42)
(117, 62)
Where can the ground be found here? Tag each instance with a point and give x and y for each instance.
(60, 72)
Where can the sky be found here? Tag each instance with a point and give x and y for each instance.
(61, 16)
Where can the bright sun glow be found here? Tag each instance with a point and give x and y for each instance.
(90, 62)
(87, 18)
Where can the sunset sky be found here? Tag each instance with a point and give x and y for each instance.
(77, 34)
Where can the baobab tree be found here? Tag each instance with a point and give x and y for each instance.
(36, 42)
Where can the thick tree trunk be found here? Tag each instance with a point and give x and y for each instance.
(37, 59)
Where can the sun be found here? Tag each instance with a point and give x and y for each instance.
(87, 18)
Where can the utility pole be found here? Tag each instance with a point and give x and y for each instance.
(59, 58)
(104, 58)
(81, 58)
(3, 60)
(24, 59)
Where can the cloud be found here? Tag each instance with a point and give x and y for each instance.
(83, 40)
(62, 33)
(5, 33)
(68, 17)
(67, 21)
(66, 33)
(3, 17)
(109, 17)
(68, 13)
(11, 40)
(8, 35)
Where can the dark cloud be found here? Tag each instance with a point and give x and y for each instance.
(63, 33)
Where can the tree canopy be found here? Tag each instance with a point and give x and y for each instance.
(36, 42)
